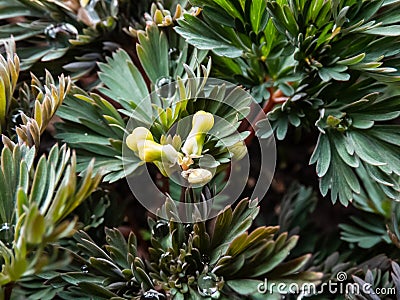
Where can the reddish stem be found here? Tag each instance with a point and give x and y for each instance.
(276, 97)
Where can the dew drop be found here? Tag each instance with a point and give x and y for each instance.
(152, 295)
(165, 255)
(63, 29)
(7, 234)
(165, 87)
(207, 285)
(205, 259)
(161, 229)
(173, 54)
(188, 230)
(85, 269)
(17, 117)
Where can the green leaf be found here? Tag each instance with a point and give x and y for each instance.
(117, 247)
(35, 226)
(352, 60)
(244, 286)
(200, 35)
(258, 15)
(96, 290)
(280, 254)
(393, 30)
(323, 151)
(39, 181)
(3, 104)
(125, 84)
(152, 51)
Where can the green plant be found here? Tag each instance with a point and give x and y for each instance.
(321, 64)
(180, 90)
(186, 261)
(35, 201)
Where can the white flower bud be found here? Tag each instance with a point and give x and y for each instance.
(202, 123)
(197, 177)
(238, 150)
(150, 151)
(137, 135)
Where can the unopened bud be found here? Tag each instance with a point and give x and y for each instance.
(150, 151)
(202, 123)
(238, 150)
(137, 135)
(197, 177)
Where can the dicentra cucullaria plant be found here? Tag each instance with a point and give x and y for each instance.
(91, 91)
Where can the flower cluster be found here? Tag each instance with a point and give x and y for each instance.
(165, 157)
(164, 17)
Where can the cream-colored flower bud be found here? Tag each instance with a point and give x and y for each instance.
(197, 177)
(238, 150)
(170, 154)
(138, 134)
(150, 151)
(202, 123)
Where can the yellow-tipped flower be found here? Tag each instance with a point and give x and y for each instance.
(141, 141)
(202, 123)
(150, 151)
(137, 135)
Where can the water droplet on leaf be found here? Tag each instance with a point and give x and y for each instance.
(85, 269)
(152, 295)
(64, 30)
(205, 259)
(161, 229)
(7, 234)
(173, 54)
(165, 87)
(188, 229)
(207, 285)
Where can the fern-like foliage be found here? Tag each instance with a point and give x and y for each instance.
(316, 64)
(35, 200)
(165, 58)
(378, 223)
(17, 104)
(185, 261)
(49, 30)
(378, 283)
(98, 128)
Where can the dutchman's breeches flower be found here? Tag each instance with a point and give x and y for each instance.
(138, 134)
(150, 151)
(166, 156)
(202, 122)
(142, 143)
